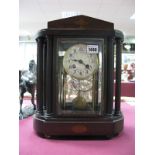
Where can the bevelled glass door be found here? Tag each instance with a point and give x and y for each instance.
(80, 76)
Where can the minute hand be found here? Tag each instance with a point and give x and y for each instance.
(81, 62)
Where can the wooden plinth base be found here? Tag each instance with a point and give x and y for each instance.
(108, 127)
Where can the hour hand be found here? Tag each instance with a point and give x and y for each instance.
(74, 60)
(79, 61)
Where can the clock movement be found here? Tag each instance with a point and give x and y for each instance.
(75, 84)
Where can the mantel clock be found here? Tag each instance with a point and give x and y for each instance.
(75, 65)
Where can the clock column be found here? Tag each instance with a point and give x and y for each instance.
(40, 42)
(118, 75)
(44, 73)
(49, 76)
(110, 70)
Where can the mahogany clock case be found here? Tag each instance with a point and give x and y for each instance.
(50, 119)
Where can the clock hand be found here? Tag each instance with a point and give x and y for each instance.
(81, 62)
(87, 66)
(74, 60)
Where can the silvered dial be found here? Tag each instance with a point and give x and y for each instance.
(78, 63)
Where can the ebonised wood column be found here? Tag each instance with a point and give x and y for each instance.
(110, 70)
(40, 42)
(49, 77)
(118, 76)
(44, 72)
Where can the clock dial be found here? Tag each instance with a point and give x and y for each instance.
(78, 63)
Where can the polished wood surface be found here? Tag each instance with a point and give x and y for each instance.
(46, 121)
(81, 22)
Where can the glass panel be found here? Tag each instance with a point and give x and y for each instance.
(80, 76)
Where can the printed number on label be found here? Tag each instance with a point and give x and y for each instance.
(92, 48)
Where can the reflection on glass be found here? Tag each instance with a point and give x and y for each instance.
(78, 92)
(79, 96)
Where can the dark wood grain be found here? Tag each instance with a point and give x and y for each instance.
(81, 22)
(46, 121)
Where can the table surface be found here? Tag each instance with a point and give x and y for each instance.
(123, 144)
(127, 89)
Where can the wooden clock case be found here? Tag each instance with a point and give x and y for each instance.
(46, 121)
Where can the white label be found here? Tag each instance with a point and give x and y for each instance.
(92, 49)
(61, 53)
